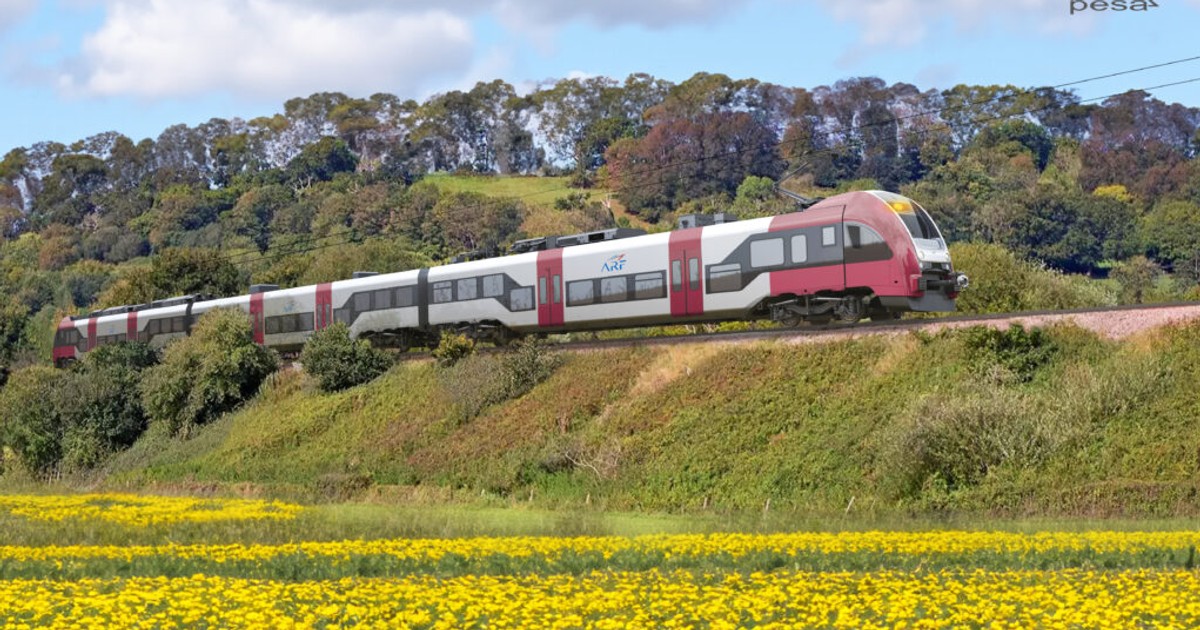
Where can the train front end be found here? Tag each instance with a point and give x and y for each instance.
(932, 281)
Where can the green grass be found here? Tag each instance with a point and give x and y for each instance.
(534, 191)
(538, 193)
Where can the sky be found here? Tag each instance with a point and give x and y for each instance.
(70, 69)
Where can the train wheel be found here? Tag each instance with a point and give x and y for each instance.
(850, 309)
(790, 320)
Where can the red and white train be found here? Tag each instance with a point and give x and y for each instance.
(862, 254)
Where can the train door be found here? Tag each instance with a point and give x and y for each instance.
(550, 288)
(687, 273)
(256, 317)
(323, 316)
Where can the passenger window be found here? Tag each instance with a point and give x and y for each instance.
(766, 253)
(581, 293)
(272, 325)
(828, 236)
(304, 322)
(362, 302)
(468, 288)
(443, 292)
(404, 296)
(521, 299)
(614, 289)
(383, 299)
(493, 286)
(799, 249)
(649, 286)
(725, 278)
(287, 324)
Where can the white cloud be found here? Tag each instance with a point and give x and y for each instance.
(655, 14)
(268, 49)
(13, 11)
(275, 49)
(904, 23)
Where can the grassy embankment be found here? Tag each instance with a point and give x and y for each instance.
(1057, 424)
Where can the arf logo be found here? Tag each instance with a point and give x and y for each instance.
(614, 263)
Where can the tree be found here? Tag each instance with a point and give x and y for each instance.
(186, 271)
(1010, 135)
(1136, 276)
(472, 221)
(320, 161)
(31, 417)
(382, 255)
(684, 159)
(339, 362)
(255, 210)
(68, 192)
(1172, 231)
(208, 373)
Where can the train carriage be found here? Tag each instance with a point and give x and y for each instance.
(863, 254)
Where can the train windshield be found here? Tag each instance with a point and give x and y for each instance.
(925, 234)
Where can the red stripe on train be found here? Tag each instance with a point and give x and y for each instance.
(323, 316)
(256, 317)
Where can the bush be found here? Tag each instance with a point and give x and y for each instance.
(951, 444)
(209, 373)
(526, 364)
(481, 381)
(1003, 283)
(453, 348)
(1017, 352)
(107, 413)
(70, 420)
(339, 362)
(32, 418)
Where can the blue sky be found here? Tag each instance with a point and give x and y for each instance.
(73, 68)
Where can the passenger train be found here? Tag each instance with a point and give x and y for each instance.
(861, 254)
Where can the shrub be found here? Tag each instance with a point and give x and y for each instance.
(951, 444)
(526, 364)
(103, 403)
(213, 371)
(1019, 353)
(339, 362)
(70, 420)
(453, 348)
(1003, 283)
(1136, 277)
(32, 419)
(481, 381)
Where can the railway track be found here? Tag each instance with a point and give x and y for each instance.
(1114, 322)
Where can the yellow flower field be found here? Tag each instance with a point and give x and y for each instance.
(733, 546)
(140, 511)
(871, 579)
(649, 599)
